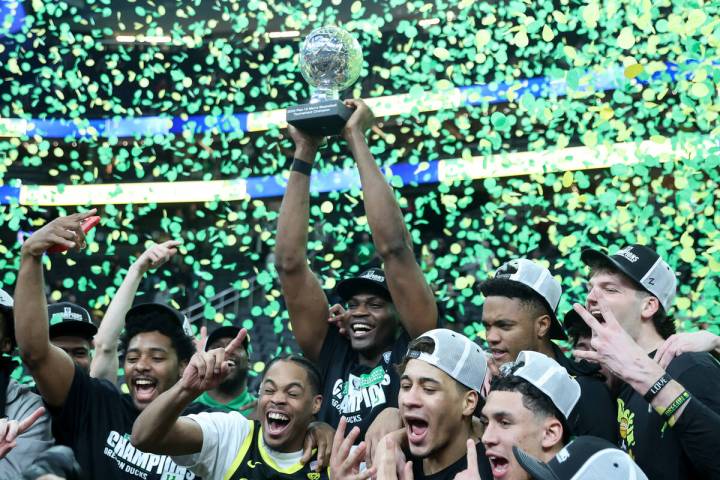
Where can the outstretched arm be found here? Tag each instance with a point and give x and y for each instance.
(105, 362)
(159, 428)
(50, 366)
(305, 299)
(412, 296)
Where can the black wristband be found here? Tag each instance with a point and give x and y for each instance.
(301, 167)
(657, 386)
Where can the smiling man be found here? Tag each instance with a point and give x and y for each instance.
(226, 445)
(528, 407)
(89, 415)
(519, 314)
(385, 308)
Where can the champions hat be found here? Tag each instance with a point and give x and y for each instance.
(643, 265)
(371, 280)
(539, 281)
(454, 354)
(226, 331)
(158, 309)
(6, 306)
(548, 376)
(68, 319)
(585, 458)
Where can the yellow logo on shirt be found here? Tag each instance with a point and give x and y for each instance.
(626, 420)
(313, 476)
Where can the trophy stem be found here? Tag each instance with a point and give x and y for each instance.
(322, 93)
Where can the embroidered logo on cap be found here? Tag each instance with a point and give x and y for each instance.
(628, 255)
(373, 276)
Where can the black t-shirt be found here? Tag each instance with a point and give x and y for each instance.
(594, 413)
(96, 422)
(457, 467)
(357, 392)
(656, 447)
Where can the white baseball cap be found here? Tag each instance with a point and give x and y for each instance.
(548, 376)
(539, 279)
(454, 354)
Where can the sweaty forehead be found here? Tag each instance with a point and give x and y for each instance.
(150, 341)
(283, 373)
(419, 370)
(502, 402)
(68, 341)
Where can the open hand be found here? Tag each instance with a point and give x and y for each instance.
(702, 341)
(319, 435)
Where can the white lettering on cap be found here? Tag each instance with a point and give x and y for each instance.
(628, 255)
(68, 314)
(373, 276)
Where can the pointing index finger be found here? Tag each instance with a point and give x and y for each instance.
(591, 321)
(237, 341)
(472, 462)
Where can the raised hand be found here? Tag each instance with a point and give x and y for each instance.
(472, 472)
(207, 370)
(338, 315)
(11, 429)
(361, 119)
(65, 231)
(614, 348)
(345, 465)
(306, 145)
(390, 461)
(156, 256)
(319, 435)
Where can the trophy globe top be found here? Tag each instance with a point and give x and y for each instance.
(330, 61)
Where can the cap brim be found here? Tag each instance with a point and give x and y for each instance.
(73, 328)
(227, 331)
(591, 257)
(537, 469)
(347, 288)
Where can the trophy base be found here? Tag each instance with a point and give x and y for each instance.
(319, 119)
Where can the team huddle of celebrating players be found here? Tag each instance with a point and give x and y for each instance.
(379, 391)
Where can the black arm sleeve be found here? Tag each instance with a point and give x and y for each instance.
(699, 431)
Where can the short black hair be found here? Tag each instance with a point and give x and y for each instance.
(532, 398)
(166, 325)
(312, 371)
(502, 287)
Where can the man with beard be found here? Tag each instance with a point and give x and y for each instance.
(528, 407)
(220, 445)
(519, 314)
(232, 394)
(91, 416)
(72, 330)
(385, 308)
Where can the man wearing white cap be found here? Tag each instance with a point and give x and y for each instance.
(528, 406)
(441, 377)
(667, 418)
(519, 314)
(585, 458)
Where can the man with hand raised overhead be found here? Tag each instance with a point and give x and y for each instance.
(222, 445)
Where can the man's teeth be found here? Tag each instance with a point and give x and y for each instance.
(144, 382)
(278, 416)
(361, 327)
